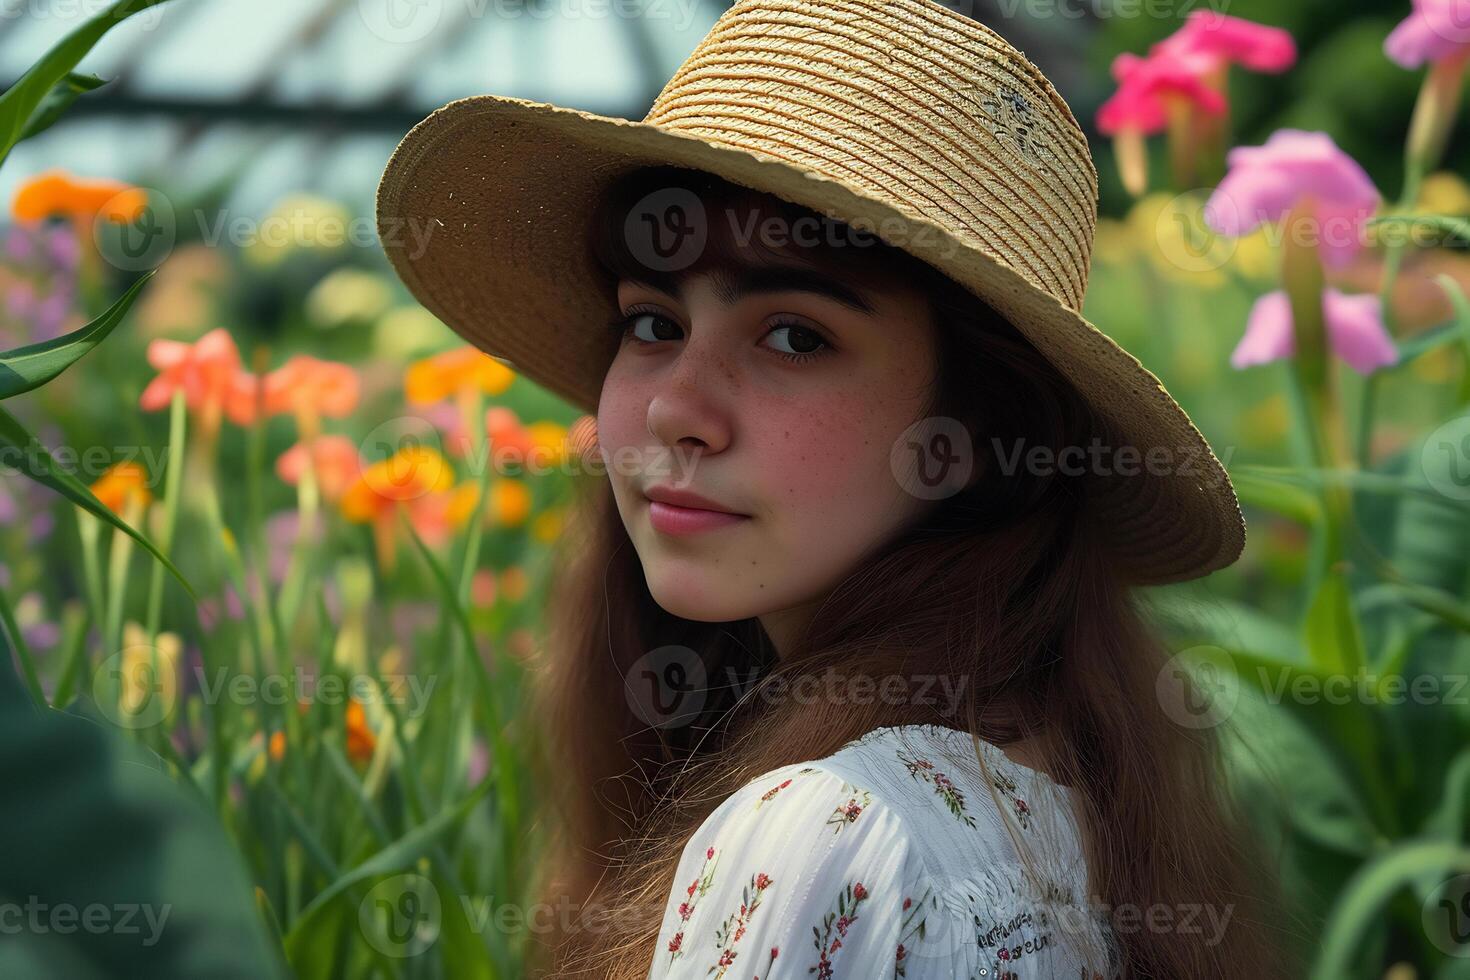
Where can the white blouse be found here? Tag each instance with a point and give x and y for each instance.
(888, 858)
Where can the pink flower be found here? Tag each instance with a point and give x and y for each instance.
(1265, 182)
(1354, 325)
(337, 464)
(1435, 31)
(1223, 40)
(208, 372)
(1144, 84)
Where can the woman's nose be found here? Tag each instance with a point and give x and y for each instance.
(689, 406)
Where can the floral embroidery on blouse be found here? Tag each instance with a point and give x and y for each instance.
(914, 919)
(770, 794)
(848, 868)
(696, 890)
(841, 920)
(951, 794)
(1007, 786)
(734, 926)
(848, 812)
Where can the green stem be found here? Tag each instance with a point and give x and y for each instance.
(172, 482)
(22, 651)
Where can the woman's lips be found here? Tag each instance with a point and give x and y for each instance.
(673, 519)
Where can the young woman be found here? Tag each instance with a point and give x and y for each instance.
(845, 675)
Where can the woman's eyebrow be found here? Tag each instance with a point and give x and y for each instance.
(731, 285)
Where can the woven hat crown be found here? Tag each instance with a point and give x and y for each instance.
(912, 104)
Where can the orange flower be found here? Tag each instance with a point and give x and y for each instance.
(407, 475)
(510, 502)
(361, 742)
(278, 745)
(337, 464)
(410, 478)
(55, 192)
(208, 372)
(438, 515)
(448, 374)
(121, 483)
(510, 443)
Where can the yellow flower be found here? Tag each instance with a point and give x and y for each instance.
(407, 475)
(278, 745)
(510, 502)
(347, 294)
(148, 673)
(1171, 232)
(547, 526)
(446, 375)
(550, 444)
(1443, 192)
(299, 221)
(1113, 242)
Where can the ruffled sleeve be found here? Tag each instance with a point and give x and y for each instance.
(799, 874)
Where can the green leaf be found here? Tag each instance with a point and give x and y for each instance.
(27, 368)
(1279, 497)
(395, 857)
(48, 474)
(1440, 222)
(1333, 635)
(106, 829)
(1359, 908)
(20, 102)
(58, 100)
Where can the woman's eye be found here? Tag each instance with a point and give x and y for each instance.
(795, 340)
(651, 327)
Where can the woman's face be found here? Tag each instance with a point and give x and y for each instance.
(773, 394)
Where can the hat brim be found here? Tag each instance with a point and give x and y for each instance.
(484, 210)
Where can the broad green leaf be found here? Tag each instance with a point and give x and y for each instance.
(27, 368)
(104, 826)
(48, 474)
(1359, 908)
(20, 102)
(58, 100)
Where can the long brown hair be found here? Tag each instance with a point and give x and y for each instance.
(1003, 586)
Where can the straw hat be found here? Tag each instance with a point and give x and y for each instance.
(899, 117)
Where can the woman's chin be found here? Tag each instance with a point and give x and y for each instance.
(689, 597)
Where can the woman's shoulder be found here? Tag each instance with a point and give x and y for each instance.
(898, 825)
